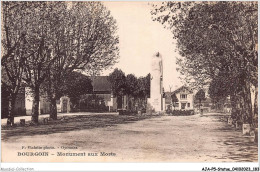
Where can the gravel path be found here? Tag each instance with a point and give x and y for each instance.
(196, 138)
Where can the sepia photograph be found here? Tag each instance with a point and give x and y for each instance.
(143, 81)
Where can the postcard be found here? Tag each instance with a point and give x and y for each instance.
(120, 82)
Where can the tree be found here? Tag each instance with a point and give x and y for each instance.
(39, 25)
(200, 96)
(138, 88)
(85, 40)
(215, 37)
(117, 79)
(143, 89)
(75, 85)
(174, 99)
(144, 86)
(131, 84)
(13, 51)
(60, 38)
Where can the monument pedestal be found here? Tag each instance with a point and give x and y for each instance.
(155, 107)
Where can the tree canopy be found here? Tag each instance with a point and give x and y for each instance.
(217, 42)
(212, 36)
(200, 95)
(85, 40)
(117, 80)
(130, 84)
(75, 85)
(44, 42)
(174, 98)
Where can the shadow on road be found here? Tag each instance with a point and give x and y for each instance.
(71, 123)
(239, 147)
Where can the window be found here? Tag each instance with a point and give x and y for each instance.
(183, 105)
(183, 96)
(188, 105)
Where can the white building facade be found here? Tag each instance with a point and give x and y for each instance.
(185, 97)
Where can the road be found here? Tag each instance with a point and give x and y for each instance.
(28, 118)
(196, 138)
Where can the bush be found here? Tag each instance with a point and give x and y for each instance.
(126, 112)
(182, 112)
(92, 103)
(168, 111)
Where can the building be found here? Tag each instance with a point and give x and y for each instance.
(63, 104)
(185, 98)
(100, 99)
(102, 90)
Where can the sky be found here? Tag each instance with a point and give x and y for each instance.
(139, 39)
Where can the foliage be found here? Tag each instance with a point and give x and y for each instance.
(174, 98)
(138, 89)
(83, 42)
(216, 40)
(13, 51)
(75, 85)
(117, 79)
(97, 35)
(210, 39)
(44, 42)
(131, 83)
(180, 112)
(219, 89)
(144, 86)
(200, 95)
(93, 103)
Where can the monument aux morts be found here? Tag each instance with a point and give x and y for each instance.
(156, 102)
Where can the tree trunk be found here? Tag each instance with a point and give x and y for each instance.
(35, 106)
(53, 109)
(11, 106)
(256, 101)
(233, 103)
(255, 119)
(247, 103)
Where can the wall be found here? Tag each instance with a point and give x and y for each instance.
(44, 105)
(189, 99)
(28, 101)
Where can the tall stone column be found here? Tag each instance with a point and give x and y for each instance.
(156, 102)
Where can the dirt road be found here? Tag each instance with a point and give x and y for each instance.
(194, 138)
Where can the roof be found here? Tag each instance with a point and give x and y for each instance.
(182, 88)
(101, 84)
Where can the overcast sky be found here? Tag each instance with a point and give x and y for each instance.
(140, 38)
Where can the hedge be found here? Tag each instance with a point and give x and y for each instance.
(180, 112)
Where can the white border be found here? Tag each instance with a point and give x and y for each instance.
(125, 166)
